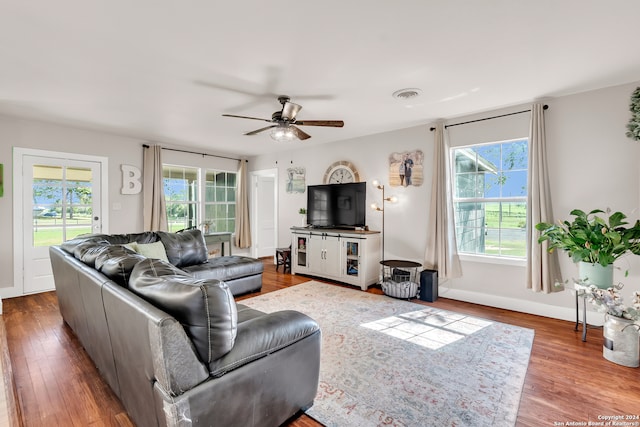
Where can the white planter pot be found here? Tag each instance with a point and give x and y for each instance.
(595, 274)
(621, 341)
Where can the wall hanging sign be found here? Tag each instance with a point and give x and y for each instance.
(405, 169)
(296, 180)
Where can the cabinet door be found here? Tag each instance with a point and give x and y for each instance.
(352, 260)
(332, 258)
(315, 253)
(300, 247)
(324, 255)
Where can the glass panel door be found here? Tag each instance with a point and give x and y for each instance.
(61, 200)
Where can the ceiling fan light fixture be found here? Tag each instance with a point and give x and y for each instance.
(282, 133)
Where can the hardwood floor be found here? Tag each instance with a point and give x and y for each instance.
(57, 385)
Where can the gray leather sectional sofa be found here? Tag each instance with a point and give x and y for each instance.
(172, 343)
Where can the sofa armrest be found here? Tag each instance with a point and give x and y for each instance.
(264, 335)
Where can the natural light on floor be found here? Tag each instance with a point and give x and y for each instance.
(429, 328)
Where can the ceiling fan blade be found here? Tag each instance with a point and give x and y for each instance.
(330, 123)
(301, 135)
(253, 132)
(246, 117)
(290, 110)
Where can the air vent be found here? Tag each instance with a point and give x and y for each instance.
(408, 93)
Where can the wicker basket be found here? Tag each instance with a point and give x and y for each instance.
(404, 290)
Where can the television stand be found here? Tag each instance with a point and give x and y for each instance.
(345, 255)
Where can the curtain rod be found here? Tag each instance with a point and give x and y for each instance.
(544, 107)
(199, 154)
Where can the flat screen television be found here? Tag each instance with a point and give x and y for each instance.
(337, 205)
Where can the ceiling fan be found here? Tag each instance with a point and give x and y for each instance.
(283, 128)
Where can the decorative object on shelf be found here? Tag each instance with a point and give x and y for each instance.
(296, 180)
(341, 172)
(376, 207)
(206, 226)
(593, 239)
(633, 127)
(405, 169)
(303, 216)
(621, 327)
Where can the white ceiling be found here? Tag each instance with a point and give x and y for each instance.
(166, 70)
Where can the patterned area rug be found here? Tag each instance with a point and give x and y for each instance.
(390, 362)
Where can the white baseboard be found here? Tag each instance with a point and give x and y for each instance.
(522, 306)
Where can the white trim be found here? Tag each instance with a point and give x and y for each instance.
(488, 259)
(520, 305)
(18, 250)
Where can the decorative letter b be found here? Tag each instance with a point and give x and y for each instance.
(130, 179)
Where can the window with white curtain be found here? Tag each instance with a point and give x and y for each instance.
(490, 198)
(196, 196)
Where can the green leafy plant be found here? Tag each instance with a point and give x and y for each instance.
(592, 238)
(302, 211)
(633, 127)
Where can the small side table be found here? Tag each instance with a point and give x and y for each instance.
(221, 237)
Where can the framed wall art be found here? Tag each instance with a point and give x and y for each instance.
(296, 180)
(405, 169)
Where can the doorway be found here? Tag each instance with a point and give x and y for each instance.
(57, 196)
(264, 212)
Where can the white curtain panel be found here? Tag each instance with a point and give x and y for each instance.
(243, 227)
(155, 210)
(543, 268)
(442, 252)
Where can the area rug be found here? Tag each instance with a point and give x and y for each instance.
(389, 362)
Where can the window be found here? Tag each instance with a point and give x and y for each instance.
(190, 203)
(181, 196)
(490, 198)
(220, 200)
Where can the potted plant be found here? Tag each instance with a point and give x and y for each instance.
(303, 216)
(594, 242)
(621, 323)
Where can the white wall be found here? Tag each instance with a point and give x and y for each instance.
(405, 221)
(592, 165)
(118, 149)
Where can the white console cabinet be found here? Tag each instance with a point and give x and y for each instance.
(351, 257)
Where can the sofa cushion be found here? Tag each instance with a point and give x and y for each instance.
(205, 308)
(118, 268)
(226, 268)
(152, 250)
(144, 237)
(116, 262)
(260, 336)
(90, 251)
(185, 248)
(70, 245)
